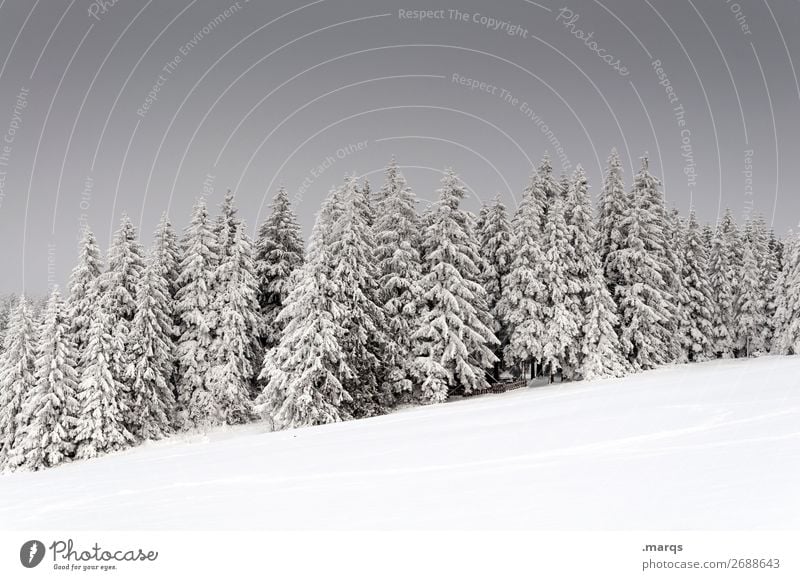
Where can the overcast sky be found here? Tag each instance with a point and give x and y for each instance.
(141, 106)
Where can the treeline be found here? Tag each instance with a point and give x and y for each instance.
(387, 306)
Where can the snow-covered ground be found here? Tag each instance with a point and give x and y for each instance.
(710, 446)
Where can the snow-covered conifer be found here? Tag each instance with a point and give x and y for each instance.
(549, 188)
(453, 346)
(235, 280)
(399, 267)
(279, 253)
(776, 249)
(494, 242)
(125, 267)
(522, 303)
(367, 202)
(302, 373)
(614, 203)
(17, 379)
(101, 422)
(562, 313)
(234, 350)
(679, 323)
(597, 348)
(197, 320)
(425, 221)
(601, 353)
(117, 297)
(82, 299)
(708, 240)
(770, 264)
(153, 401)
(787, 289)
(752, 318)
(361, 317)
(698, 302)
(225, 226)
(724, 267)
(167, 254)
(53, 408)
(641, 288)
(7, 303)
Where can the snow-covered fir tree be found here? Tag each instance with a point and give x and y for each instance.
(598, 351)
(234, 349)
(235, 280)
(82, 299)
(48, 438)
(780, 293)
(672, 256)
(426, 218)
(193, 305)
(7, 303)
(17, 379)
(787, 291)
(330, 211)
(125, 267)
(725, 266)
(278, 254)
(708, 240)
(485, 312)
(101, 422)
(614, 202)
(302, 373)
(775, 268)
(642, 290)
(494, 241)
(562, 289)
(453, 346)
(354, 271)
(697, 330)
(601, 352)
(399, 268)
(750, 306)
(769, 264)
(117, 298)
(679, 323)
(752, 317)
(153, 357)
(167, 254)
(522, 303)
(776, 249)
(563, 187)
(548, 186)
(367, 202)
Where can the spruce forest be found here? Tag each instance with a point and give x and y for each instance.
(387, 306)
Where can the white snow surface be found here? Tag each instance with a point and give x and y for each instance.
(709, 446)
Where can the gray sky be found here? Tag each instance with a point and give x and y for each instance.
(251, 95)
